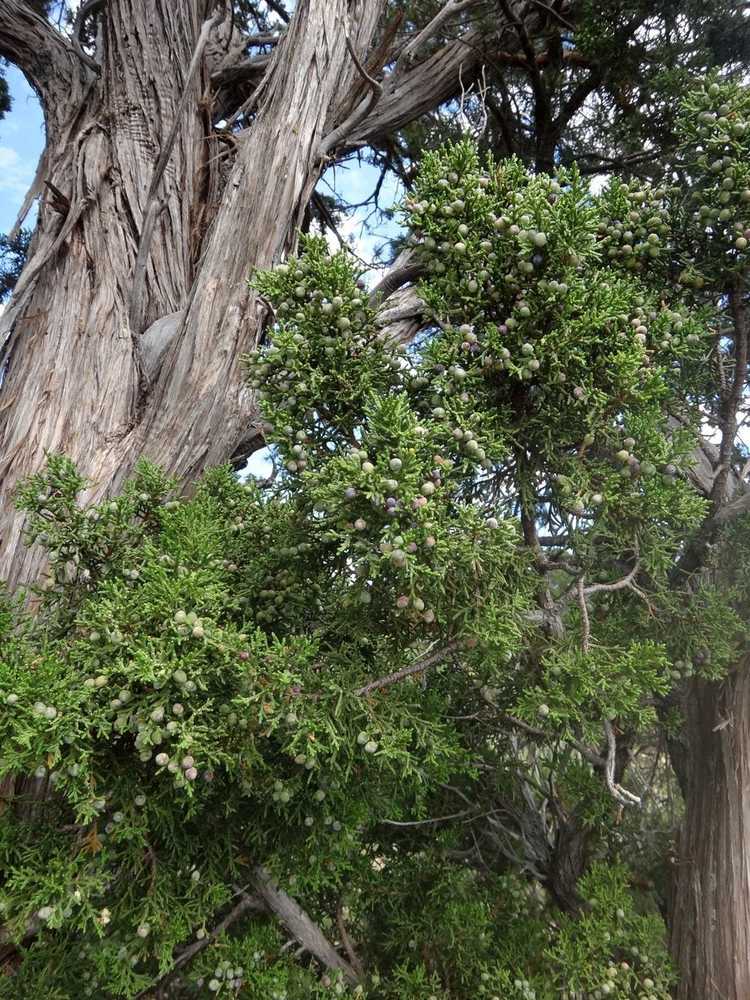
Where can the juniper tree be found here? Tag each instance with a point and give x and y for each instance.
(384, 700)
(158, 162)
(150, 407)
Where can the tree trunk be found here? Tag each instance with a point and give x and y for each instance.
(125, 333)
(710, 926)
(117, 249)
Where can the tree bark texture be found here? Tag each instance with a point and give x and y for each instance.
(74, 378)
(710, 926)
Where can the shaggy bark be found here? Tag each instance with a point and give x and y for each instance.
(710, 919)
(711, 912)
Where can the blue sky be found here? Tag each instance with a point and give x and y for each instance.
(21, 143)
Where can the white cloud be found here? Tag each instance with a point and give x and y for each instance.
(16, 174)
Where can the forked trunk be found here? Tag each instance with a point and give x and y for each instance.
(119, 247)
(711, 913)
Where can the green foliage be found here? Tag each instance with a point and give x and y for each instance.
(715, 135)
(498, 937)
(13, 252)
(387, 660)
(581, 688)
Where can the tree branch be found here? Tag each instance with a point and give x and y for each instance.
(401, 316)
(416, 668)
(28, 41)
(401, 274)
(299, 924)
(245, 70)
(247, 904)
(732, 510)
(411, 93)
(618, 793)
(359, 113)
(447, 10)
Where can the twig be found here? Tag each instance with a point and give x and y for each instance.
(597, 588)
(359, 114)
(621, 584)
(448, 10)
(154, 205)
(620, 794)
(475, 130)
(416, 668)
(347, 942)
(427, 822)
(585, 623)
(329, 221)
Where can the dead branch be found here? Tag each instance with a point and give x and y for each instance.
(418, 667)
(429, 822)
(359, 113)
(618, 793)
(300, 925)
(411, 50)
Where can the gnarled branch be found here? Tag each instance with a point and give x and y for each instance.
(412, 48)
(418, 667)
(359, 113)
(47, 58)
